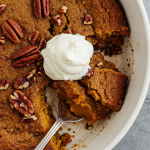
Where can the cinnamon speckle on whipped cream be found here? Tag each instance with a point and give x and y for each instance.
(67, 57)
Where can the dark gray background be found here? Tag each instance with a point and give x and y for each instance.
(138, 137)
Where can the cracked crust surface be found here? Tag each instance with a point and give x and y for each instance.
(109, 23)
(108, 18)
(55, 5)
(72, 19)
(109, 87)
(75, 15)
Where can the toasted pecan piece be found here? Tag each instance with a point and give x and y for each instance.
(26, 56)
(21, 103)
(12, 30)
(39, 6)
(25, 80)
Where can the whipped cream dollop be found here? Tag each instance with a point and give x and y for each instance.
(67, 57)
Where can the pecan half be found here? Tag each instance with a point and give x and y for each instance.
(2, 40)
(25, 80)
(33, 37)
(88, 19)
(26, 56)
(2, 8)
(21, 103)
(39, 5)
(40, 60)
(57, 20)
(46, 7)
(63, 9)
(37, 8)
(29, 119)
(42, 44)
(4, 84)
(12, 30)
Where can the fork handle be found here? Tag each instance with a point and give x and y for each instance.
(50, 133)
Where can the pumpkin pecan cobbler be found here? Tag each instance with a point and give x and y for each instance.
(26, 26)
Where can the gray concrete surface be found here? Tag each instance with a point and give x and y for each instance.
(138, 137)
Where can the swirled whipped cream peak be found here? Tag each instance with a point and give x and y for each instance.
(67, 57)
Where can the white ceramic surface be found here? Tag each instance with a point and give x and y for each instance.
(108, 132)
